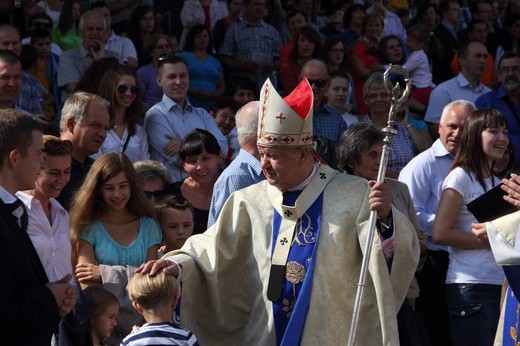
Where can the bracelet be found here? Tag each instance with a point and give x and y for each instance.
(408, 126)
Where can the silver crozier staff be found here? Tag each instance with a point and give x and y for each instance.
(389, 131)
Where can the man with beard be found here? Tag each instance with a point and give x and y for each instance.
(507, 97)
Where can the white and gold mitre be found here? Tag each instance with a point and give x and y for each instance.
(287, 121)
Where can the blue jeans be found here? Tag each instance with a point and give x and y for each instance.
(474, 311)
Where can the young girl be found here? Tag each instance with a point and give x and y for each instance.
(175, 216)
(103, 317)
(223, 112)
(420, 43)
(473, 281)
(112, 229)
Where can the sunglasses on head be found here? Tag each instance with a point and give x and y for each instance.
(320, 83)
(57, 146)
(122, 89)
(173, 58)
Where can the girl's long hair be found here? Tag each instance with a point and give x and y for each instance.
(66, 21)
(88, 204)
(471, 156)
(107, 89)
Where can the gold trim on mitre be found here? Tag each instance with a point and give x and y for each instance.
(287, 121)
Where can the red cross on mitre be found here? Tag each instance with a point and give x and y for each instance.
(280, 117)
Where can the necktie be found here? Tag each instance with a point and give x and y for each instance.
(20, 213)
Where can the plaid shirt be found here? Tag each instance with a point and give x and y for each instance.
(246, 42)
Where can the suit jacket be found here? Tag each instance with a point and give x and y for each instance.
(29, 314)
(449, 44)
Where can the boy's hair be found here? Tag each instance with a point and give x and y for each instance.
(174, 202)
(16, 129)
(152, 292)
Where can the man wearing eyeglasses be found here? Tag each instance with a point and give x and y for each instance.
(507, 97)
(328, 122)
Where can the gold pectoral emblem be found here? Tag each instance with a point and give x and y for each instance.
(294, 273)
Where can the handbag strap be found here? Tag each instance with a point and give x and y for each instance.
(126, 143)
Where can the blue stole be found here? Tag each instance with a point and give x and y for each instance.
(511, 314)
(291, 310)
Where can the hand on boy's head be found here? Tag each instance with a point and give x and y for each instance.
(155, 266)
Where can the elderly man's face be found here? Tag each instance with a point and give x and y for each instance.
(318, 78)
(93, 32)
(10, 83)
(280, 165)
(450, 128)
(10, 40)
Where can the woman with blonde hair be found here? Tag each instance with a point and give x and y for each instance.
(119, 86)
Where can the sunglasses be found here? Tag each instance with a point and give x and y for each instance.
(41, 25)
(57, 146)
(122, 89)
(154, 194)
(320, 83)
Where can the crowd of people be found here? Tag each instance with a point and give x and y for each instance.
(205, 170)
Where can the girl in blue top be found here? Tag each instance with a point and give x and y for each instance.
(113, 232)
(111, 219)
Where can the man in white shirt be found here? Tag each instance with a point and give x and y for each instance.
(115, 43)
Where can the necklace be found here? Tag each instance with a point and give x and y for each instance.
(123, 125)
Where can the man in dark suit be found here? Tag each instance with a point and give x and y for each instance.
(447, 33)
(30, 305)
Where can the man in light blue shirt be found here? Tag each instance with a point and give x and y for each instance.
(424, 176)
(466, 86)
(245, 169)
(171, 119)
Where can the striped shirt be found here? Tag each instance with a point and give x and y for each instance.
(162, 333)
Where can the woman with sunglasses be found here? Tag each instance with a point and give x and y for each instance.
(48, 223)
(119, 86)
(155, 46)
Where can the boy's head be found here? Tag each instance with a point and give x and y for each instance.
(41, 40)
(176, 218)
(152, 294)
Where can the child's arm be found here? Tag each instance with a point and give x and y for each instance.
(414, 61)
(152, 253)
(87, 269)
